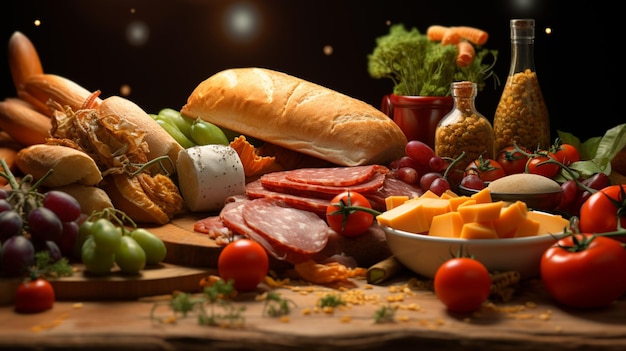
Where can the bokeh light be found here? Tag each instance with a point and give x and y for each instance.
(137, 33)
(242, 22)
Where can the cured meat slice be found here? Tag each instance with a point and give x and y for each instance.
(335, 176)
(300, 231)
(392, 187)
(256, 190)
(277, 181)
(232, 215)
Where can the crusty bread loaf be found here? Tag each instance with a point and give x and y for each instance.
(298, 115)
(160, 143)
(69, 165)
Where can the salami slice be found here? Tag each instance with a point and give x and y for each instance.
(335, 176)
(256, 190)
(300, 231)
(232, 215)
(278, 182)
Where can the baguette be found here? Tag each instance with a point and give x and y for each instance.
(23, 123)
(298, 115)
(41, 88)
(69, 165)
(24, 61)
(90, 198)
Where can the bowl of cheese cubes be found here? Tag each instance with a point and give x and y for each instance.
(424, 232)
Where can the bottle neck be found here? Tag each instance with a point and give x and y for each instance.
(522, 56)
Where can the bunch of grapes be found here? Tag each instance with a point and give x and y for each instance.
(422, 167)
(31, 222)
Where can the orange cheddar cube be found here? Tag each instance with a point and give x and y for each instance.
(481, 212)
(446, 225)
(395, 201)
(477, 230)
(528, 227)
(455, 202)
(448, 194)
(482, 196)
(408, 217)
(510, 217)
(429, 195)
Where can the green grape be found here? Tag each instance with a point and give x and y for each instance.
(180, 121)
(130, 257)
(106, 235)
(96, 262)
(205, 133)
(153, 246)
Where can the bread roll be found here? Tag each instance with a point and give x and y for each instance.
(160, 143)
(91, 198)
(69, 165)
(298, 115)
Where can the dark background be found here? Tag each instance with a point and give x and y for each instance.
(579, 64)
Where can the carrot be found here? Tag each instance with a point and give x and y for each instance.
(474, 35)
(450, 37)
(435, 32)
(466, 53)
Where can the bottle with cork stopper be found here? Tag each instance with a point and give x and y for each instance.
(464, 129)
(521, 116)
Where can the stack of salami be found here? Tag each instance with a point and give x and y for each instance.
(285, 211)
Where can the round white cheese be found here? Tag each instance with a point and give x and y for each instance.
(208, 174)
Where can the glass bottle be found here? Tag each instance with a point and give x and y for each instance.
(464, 129)
(521, 114)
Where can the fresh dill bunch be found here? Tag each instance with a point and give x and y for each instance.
(418, 66)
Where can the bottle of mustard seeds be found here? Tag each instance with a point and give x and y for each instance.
(521, 114)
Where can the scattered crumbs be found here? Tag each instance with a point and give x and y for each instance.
(558, 328)
(78, 306)
(403, 318)
(306, 311)
(54, 323)
(346, 319)
(284, 319)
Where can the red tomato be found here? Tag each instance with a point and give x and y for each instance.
(591, 277)
(487, 169)
(33, 296)
(566, 154)
(511, 160)
(539, 165)
(245, 262)
(599, 213)
(350, 214)
(462, 284)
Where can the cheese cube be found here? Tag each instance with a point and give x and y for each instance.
(477, 230)
(446, 225)
(510, 217)
(481, 212)
(482, 196)
(550, 224)
(395, 201)
(528, 227)
(407, 217)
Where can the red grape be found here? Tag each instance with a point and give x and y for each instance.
(473, 181)
(5, 205)
(10, 224)
(420, 152)
(64, 205)
(408, 175)
(439, 186)
(427, 179)
(437, 164)
(43, 225)
(68, 238)
(17, 255)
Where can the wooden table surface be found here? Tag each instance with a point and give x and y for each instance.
(530, 321)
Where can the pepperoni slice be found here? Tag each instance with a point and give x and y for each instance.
(278, 182)
(256, 190)
(232, 216)
(300, 231)
(335, 176)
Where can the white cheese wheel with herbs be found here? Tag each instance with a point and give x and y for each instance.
(208, 175)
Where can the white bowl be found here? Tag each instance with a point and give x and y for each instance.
(423, 254)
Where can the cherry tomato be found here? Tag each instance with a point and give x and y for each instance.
(566, 153)
(462, 284)
(350, 214)
(33, 296)
(511, 160)
(599, 213)
(593, 276)
(540, 165)
(245, 262)
(487, 169)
